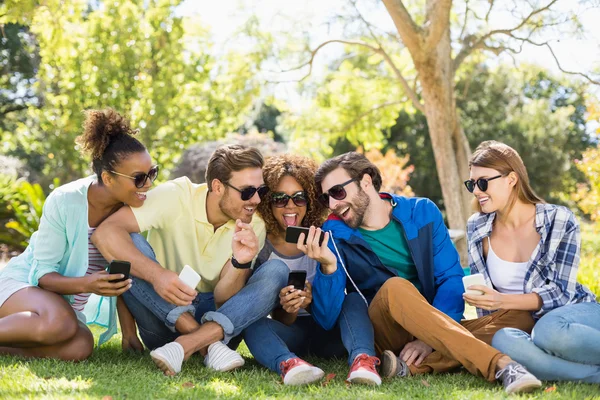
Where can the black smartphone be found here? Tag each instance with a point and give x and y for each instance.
(298, 279)
(292, 233)
(119, 267)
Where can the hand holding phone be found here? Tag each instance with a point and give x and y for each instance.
(297, 279)
(470, 280)
(119, 267)
(189, 276)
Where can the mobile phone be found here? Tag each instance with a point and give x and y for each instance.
(298, 279)
(119, 267)
(292, 233)
(474, 279)
(189, 276)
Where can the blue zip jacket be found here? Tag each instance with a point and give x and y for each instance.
(436, 260)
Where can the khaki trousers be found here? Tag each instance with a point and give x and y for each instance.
(400, 314)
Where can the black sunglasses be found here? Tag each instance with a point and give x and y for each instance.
(336, 191)
(482, 183)
(281, 200)
(139, 180)
(248, 192)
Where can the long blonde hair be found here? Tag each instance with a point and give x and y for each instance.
(505, 159)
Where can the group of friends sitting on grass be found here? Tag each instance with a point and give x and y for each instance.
(383, 283)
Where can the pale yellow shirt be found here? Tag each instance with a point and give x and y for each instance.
(174, 214)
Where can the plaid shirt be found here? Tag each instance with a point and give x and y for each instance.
(552, 272)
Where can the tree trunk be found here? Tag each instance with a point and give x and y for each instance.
(450, 148)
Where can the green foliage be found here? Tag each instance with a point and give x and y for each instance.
(589, 267)
(588, 195)
(21, 207)
(138, 57)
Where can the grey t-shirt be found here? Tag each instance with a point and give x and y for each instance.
(295, 263)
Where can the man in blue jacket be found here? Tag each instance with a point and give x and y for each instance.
(395, 252)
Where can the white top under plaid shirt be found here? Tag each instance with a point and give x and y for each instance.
(552, 272)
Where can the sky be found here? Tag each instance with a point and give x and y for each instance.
(226, 16)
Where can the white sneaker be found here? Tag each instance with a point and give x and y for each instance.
(296, 371)
(221, 358)
(168, 358)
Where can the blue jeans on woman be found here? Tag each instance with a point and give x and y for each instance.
(564, 344)
(156, 317)
(272, 342)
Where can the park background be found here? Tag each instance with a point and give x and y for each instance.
(414, 84)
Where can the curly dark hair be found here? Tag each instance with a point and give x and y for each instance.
(107, 138)
(302, 169)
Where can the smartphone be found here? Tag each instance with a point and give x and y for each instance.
(292, 233)
(189, 276)
(298, 279)
(474, 279)
(119, 267)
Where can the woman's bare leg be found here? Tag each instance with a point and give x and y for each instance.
(38, 323)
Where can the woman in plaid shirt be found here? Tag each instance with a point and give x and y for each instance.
(528, 252)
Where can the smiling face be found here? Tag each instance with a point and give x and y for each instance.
(291, 214)
(123, 188)
(353, 207)
(231, 204)
(497, 195)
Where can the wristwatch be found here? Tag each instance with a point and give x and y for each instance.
(239, 265)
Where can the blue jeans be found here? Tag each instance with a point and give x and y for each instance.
(564, 344)
(156, 317)
(272, 342)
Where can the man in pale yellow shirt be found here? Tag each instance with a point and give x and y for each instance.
(212, 228)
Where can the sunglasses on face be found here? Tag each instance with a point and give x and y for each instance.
(482, 183)
(281, 200)
(139, 180)
(337, 192)
(248, 192)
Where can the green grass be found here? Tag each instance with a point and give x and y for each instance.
(109, 373)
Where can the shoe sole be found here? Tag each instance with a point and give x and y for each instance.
(365, 378)
(305, 377)
(389, 364)
(163, 364)
(232, 366)
(524, 386)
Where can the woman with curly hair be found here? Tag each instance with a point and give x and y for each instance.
(43, 292)
(278, 342)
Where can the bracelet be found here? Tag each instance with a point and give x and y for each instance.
(238, 265)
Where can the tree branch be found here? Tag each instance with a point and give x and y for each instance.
(411, 94)
(371, 111)
(479, 43)
(410, 33)
(438, 21)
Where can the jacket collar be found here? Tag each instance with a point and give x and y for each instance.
(484, 223)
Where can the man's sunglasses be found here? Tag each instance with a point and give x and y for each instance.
(281, 200)
(248, 192)
(482, 183)
(139, 180)
(337, 192)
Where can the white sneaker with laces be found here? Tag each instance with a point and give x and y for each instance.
(221, 358)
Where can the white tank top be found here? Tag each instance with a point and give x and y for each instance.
(507, 277)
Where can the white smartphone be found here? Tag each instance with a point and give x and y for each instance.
(474, 279)
(189, 277)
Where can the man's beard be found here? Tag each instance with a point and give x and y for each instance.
(359, 207)
(231, 212)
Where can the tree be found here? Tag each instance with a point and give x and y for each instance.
(138, 57)
(435, 39)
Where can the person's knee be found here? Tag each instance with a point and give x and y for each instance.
(551, 333)
(521, 320)
(56, 326)
(142, 245)
(505, 339)
(276, 274)
(80, 348)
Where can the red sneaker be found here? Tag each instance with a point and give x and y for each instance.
(296, 371)
(363, 370)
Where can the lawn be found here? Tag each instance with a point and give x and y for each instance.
(111, 374)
